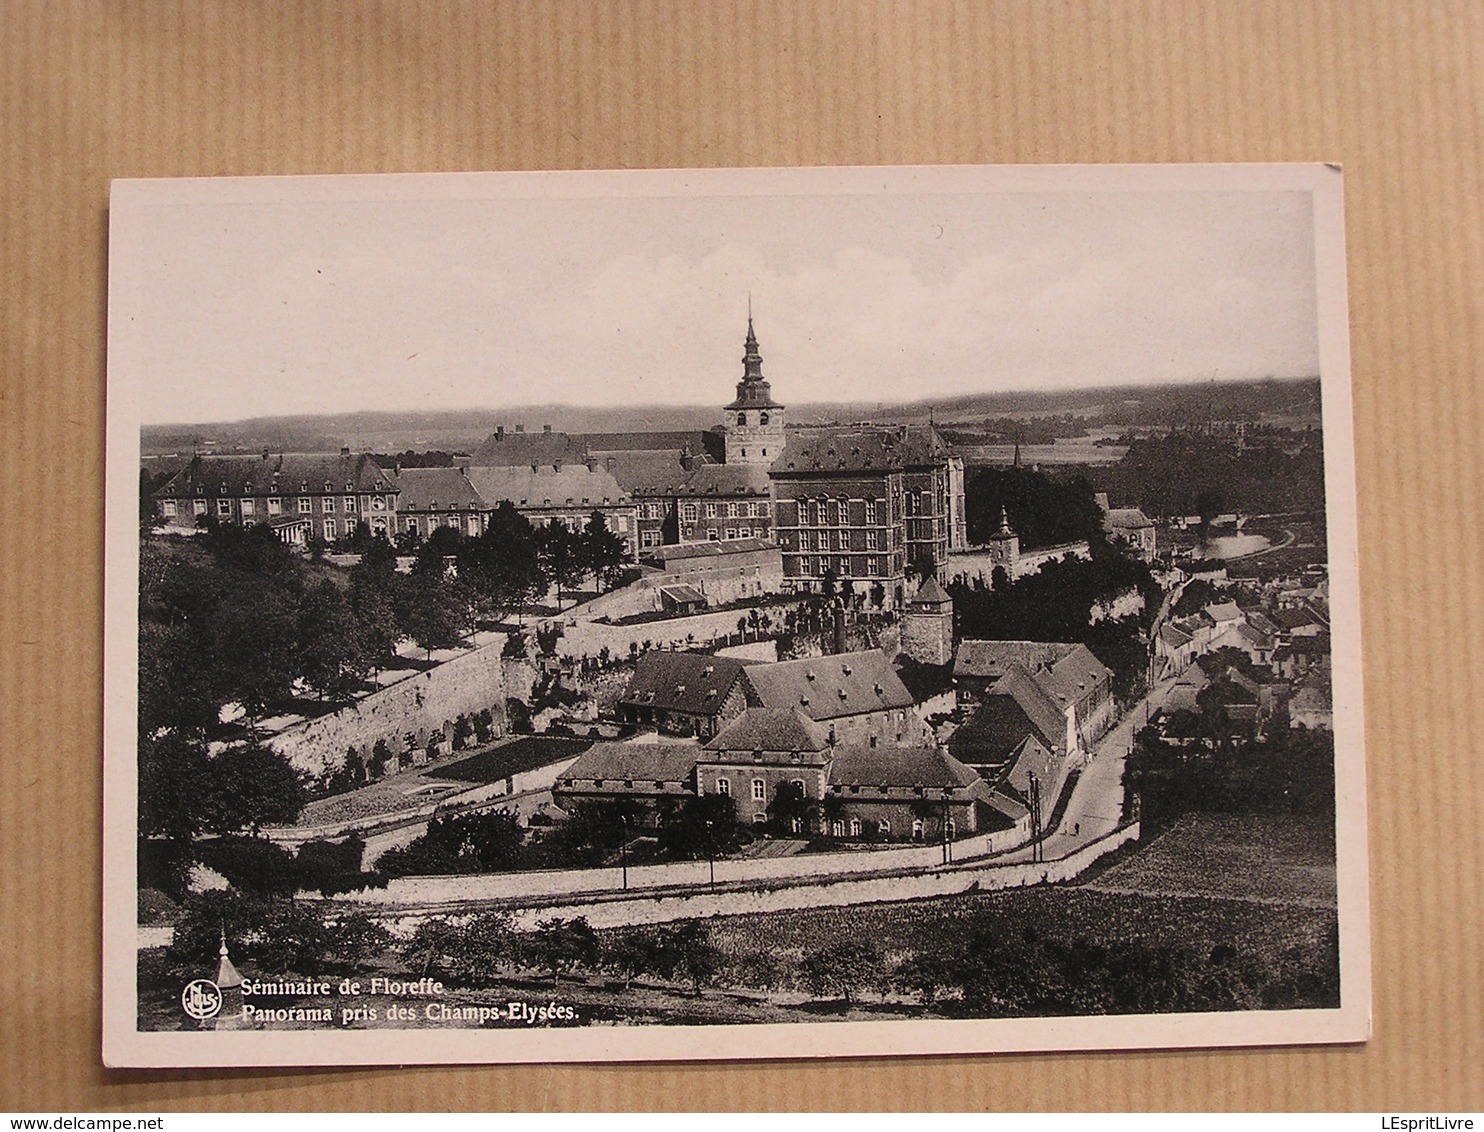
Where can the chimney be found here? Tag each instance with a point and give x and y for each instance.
(345, 450)
(499, 430)
(611, 462)
(546, 428)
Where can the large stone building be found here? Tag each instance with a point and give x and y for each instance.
(299, 495)
(1076, 682)
(865, 503)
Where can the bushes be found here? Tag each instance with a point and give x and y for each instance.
(255, 865)
(276, 935)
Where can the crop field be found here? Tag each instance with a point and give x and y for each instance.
(1264, 860)
(1062, 912)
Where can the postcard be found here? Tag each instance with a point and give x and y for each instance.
(715, 614)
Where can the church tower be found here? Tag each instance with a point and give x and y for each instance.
(754, 421)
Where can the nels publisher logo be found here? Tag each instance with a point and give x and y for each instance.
(201, 999)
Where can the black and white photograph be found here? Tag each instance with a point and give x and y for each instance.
(730, 614)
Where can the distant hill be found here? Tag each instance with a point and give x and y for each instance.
(1295, 401)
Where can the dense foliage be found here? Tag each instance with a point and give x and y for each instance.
(1189, 473)
(1056, 604)
(1041, 510)
(1290, 772)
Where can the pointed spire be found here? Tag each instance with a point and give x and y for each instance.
(1005, 531)
(226, 974)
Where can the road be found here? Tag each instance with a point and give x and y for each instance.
(1096, 806)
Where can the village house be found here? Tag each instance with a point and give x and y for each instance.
(1075, 681)
(653, 776)
(685, 693)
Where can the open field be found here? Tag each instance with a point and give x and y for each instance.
(1265, 860)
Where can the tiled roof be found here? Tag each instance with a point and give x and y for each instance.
(683, 552)
(602, 442)
(994, 733)
(1128, 519)
(770, 729)
(930, 593)
(683, 594)
(1046, 715)
(688, 682)
(427, 489)
(1224, 611)
(1296, 618)
(647, 762)
(726, 479)
(516, 449)
(1174, 637)
(864, 448)
(572, 485)
(1262, 622)
(991, 659)
(898, 766)
(285, 474)
(831, 687)
(1074, 675)
(646, 472)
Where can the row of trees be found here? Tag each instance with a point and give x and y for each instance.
(1043, 511)
(1016, 973)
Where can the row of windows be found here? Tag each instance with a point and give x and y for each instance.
(833, 540)
(720, 535)
(690, 512)
(759, 788)
(274, 505)
(843, 567)
(826, 512)
(855, 827)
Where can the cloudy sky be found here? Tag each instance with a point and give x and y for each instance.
(232, 299)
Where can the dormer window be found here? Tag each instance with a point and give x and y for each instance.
(741, 418)
(762, 418)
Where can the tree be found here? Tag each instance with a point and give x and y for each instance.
(250, 787)
(843, 970)
(491, 841)
(463, 951)
(559, 946)
(561, 556)
(696, 959)
(602, 550)
(332, 654)
(435, 611)
(702, 826)
(788, 805)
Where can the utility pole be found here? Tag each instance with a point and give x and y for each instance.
(623, 850)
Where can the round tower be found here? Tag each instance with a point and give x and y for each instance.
(754, 421)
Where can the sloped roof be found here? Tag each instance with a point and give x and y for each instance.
(867, 448)
(994, 733)
(1224, 611)
(647, 472)
(830, 687)
(930, 593)
(1296, 618)
(602, 442)
(688, 682)
(1174, 637)
(770, 729)
(725, 479)
(1046, 715)
(650, 762)
(898, 766)
(992, 659)
(426, 489)
(1074, 675)
(284, 474)
(514, 449)
(570, 485)
(1127, 519)
(682, 552)
(1261, 621)
(683, 594)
